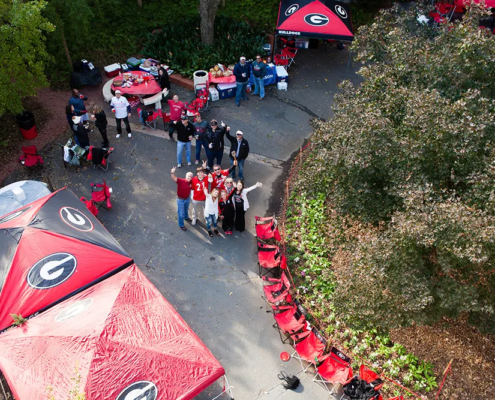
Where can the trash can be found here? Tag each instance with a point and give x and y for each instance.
(200, 79)
(27, 126)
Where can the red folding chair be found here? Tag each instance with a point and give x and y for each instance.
(90, 205)
(30, 157)
(270, 259)
(278, 292)
(100, 194)
(370, 377)
(151, 118)
(266, 228)
(100, 156)
(309, 347)
(335, 369)
(289, 50)
(289, 320)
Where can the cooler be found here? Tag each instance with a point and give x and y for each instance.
(214, 95)
(112, 70)
(226, 90)
(133, 63)
(302, 43)
(282, 75)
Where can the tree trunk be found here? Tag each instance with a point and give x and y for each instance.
(208, 12)
(66, 48)
(140, 3)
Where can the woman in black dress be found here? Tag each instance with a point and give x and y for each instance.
(101, 123)
(241, 204)
(163, 79)
(227, 211)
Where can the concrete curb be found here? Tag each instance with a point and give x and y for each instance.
(164, 135)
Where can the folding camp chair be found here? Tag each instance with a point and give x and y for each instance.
(266, 228)
(289, 319)
(289, 50)
(270, 259)
(278, 292)
(335, 369)
(99, 156)
(101, 197)
(30, 157)
(309, 347)
(90, 205)
(373, 384)
(150, 117)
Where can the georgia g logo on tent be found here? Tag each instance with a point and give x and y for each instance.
(76, 219)
(341, 11)
(291, 9)
(13, 215)
(142, 390)
(51, 270)
(316, 19)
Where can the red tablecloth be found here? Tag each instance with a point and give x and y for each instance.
(151, 88)
(223, 79)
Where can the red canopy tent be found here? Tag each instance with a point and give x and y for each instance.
(50, 250)
(127, 340)
(322, 19)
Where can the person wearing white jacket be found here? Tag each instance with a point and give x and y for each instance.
(211, 210)
(241, 204)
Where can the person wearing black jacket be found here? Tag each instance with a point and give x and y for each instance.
(239, 151)
(241, 72)
(81, 132)
(214, 137)
(101, 123)
(163, 79)
(185, 132)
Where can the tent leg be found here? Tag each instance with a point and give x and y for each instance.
(227, 388)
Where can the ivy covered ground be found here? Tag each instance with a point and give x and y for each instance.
(415, 357)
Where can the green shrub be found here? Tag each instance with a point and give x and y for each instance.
(180, 47)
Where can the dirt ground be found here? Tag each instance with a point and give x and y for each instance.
(48, 107)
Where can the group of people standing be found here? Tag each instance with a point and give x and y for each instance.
(218, 195)
(77, 117)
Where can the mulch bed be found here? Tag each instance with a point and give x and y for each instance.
(48, 107)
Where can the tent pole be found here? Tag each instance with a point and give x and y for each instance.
(3, 389)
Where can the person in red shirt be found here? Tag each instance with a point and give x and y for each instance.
(199, 182)
(183, 197)
(219, 175)
(176, 109)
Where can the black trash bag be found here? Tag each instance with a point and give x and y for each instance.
(359, 389)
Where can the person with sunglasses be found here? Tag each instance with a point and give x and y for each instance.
(217, 179)
(239, 151)
(259, 73)
(214, 138)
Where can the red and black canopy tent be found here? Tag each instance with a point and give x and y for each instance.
(321, 19)
(50, 250)
(125, 339)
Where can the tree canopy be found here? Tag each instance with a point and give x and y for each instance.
(22, 51)
(409, 158)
